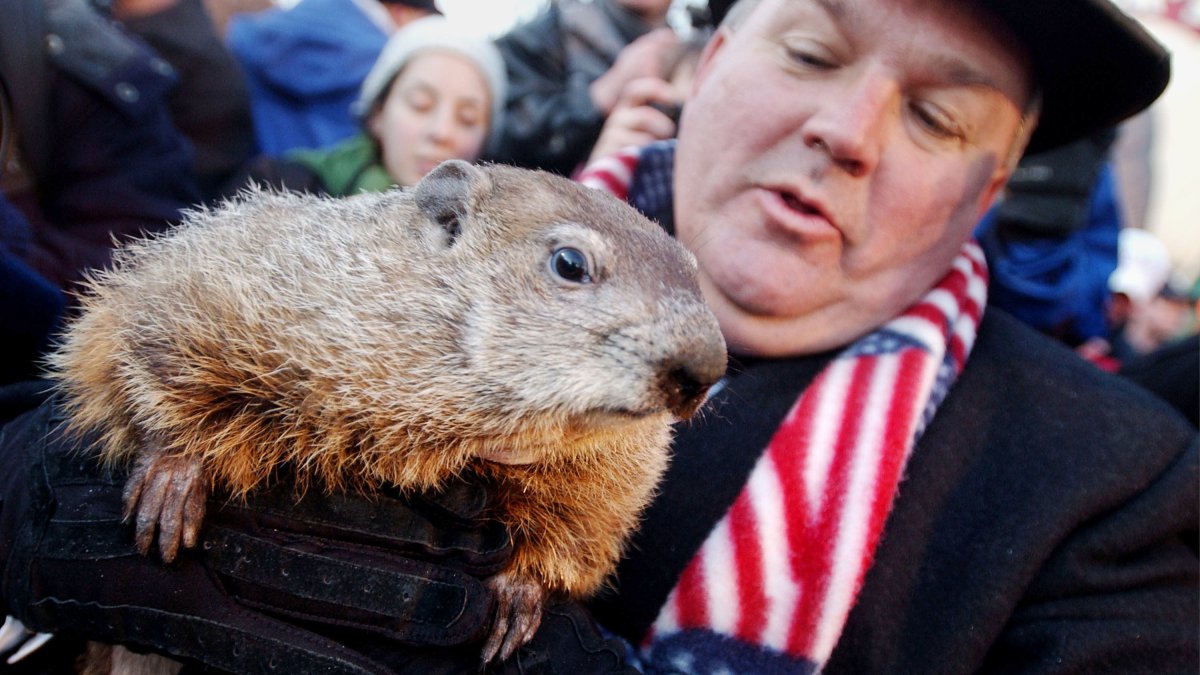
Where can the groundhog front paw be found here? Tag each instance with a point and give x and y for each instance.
(167, 493)
(518, 615)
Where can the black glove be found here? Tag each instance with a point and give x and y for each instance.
(328, 583)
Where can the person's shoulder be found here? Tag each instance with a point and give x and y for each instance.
(105, 58)
(1032, 375)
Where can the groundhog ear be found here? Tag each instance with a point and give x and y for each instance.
(444, 194)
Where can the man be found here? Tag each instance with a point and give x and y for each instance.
(888, 481)
(831, 162)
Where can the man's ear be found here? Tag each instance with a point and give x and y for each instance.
(444, 195)
(991, 191)
(708, 57)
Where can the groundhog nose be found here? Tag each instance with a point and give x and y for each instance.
(685, 381)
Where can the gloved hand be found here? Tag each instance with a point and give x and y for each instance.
(329, 583)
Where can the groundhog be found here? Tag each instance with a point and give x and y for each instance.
(510, 322)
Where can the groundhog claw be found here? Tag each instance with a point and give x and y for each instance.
(165, 493)
(518, 615)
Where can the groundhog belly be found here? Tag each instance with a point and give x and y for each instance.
(538, 332)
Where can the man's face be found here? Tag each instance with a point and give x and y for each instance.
(833, 157)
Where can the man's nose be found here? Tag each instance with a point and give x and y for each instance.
(851, 122)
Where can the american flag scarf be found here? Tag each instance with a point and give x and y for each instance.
(771, 587)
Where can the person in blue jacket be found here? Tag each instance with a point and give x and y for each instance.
(304, 65)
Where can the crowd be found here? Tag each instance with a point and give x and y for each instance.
(954, 436)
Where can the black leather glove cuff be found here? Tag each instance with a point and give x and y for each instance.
(271, 585)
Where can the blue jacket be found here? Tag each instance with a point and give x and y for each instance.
(304, 67)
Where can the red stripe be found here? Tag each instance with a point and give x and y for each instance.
(930, 313)
(612, 183)
(954, 283)
(788, 451)
(958, 351)
(815, 558)
(747, 551)
(690, 598)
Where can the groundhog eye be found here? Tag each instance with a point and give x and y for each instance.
(570, 264)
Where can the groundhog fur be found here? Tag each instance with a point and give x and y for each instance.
(511, 322)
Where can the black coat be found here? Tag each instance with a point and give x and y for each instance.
(99, 157)
(1046, 523)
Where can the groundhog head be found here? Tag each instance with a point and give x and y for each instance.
(577, 304)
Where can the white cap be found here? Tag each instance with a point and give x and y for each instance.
(1143, 265)
(435, 32)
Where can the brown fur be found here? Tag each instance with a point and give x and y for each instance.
(399, 337)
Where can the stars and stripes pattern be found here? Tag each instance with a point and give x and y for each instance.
(613, 173)
(782, 569)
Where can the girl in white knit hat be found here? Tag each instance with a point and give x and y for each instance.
(435, 93)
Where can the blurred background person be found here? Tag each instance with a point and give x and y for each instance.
(567, 68)
(304, 65)
(210, 104)
(649, 107)
(1172, 369)
(435, 93)
(93, 156)
(89, 157)
(1051, 240)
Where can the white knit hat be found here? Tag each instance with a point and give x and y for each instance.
(435, 32)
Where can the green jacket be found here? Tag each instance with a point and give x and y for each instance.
(347, 168)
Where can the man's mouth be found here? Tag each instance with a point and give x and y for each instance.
(795, 213)
(796, 204)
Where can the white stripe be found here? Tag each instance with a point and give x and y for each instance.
(963, 264)
(32, 645)
(944, 300)
(853, 526)
(668, 616)
(721, 580)
(920, 329)
(611, 165)
(976, 290)
(779, 585)
(975, 251)
(965, 328)
(829, 413)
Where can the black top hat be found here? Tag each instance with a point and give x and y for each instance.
(1094, 65)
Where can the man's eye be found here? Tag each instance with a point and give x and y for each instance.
(935, 121)
(809, 58)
